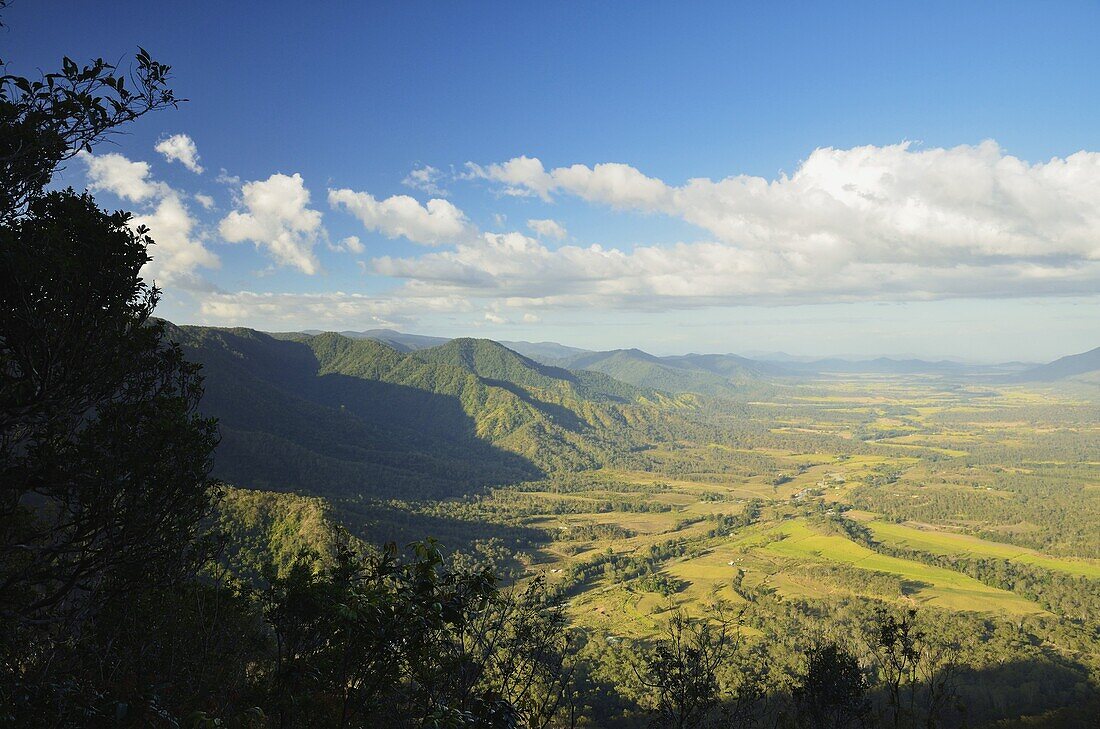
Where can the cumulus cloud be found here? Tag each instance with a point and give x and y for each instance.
(547, 228)
(225, 178)
(181, 148)
(205, 200)
(426, 179)
(868, 223)
(885, 204)
(179, 247)
(276, 216)
(435, 223)
(611, 183)
(120, 176)
(527, 274)
(889, 223)
(351, 244)
(178, 250)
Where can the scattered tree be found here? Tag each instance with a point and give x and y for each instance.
(916, 671)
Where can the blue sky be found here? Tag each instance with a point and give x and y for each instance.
(906, 231)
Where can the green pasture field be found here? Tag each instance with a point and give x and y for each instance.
(927, 465)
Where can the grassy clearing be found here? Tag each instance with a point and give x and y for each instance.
(939, 541)
(952, 457)
(937, 585)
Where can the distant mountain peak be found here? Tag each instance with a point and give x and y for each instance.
(1074, 364)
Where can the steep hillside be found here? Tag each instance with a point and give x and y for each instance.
(545, 352)
(287, 426)
(1073, 365)
(646, 370)
(336, 416)
(494, 362)
(261, 528)
(400, 341)
(728, 365)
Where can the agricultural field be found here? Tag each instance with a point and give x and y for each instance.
(854, 487)
(808, 507)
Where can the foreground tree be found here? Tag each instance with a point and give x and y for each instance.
(104, 461)
(49, 120)
(832, 692)
(375, 640)
(916, 671)
(683, 670)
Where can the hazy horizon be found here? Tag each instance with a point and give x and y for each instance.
(750, 353)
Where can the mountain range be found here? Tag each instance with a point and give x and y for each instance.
(353, 416)
(718, 374)
(1064, 367)
(387, 413)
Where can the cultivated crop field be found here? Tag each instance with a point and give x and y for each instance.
(840, 488)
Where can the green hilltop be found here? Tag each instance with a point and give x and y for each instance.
(675, 375)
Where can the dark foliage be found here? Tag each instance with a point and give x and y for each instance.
(832, 692)
(103, 459)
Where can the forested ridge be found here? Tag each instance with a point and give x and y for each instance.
(362, 418)
(676, 375)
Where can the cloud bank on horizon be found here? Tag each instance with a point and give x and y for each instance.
(871, 223)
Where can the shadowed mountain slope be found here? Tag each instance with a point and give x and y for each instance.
(347, 417)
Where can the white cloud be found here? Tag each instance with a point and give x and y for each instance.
(426, 179)
(435, 223)
(277, 217)
(529, 275)
(181, 148)
(351, 244)
(888, 223)
(337, 309)
(883, 204)
(522, 176)
(179, 248)
(120, 176)
(611, 183)
(548, 229)
(868, 223)
(225, 178)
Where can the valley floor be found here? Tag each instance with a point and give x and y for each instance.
(815, 501)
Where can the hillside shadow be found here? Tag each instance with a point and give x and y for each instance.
(285, 427)
(402, 524)
(912, 587)
(561, 416)
(1059, 691)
